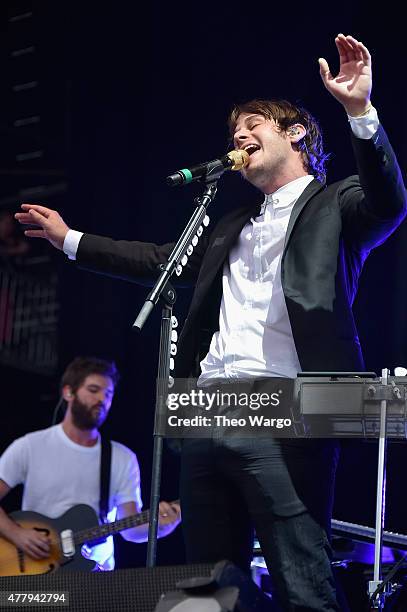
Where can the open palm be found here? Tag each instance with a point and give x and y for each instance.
(353, 83)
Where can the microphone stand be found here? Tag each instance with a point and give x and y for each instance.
(164, 290)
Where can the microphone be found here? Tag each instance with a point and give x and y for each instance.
(234, 160)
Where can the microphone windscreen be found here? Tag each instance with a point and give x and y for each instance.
(239, 157)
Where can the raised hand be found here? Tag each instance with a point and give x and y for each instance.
(353, 83)
(50, 224)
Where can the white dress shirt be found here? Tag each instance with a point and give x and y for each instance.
(255, 337)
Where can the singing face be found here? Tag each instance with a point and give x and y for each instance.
(91, 402)
(270, 149)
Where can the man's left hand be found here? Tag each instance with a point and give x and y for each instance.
(169, 517)
(353, 84)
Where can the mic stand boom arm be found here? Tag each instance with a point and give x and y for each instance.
(177, 254)
(164, 290)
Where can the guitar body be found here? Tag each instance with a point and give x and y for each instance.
(14, 562)
(81, 521)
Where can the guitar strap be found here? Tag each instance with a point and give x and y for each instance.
(105, 468)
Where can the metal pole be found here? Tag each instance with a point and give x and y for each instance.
(162, 391)
(378, 603)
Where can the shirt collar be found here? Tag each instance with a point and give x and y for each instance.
(287, 194)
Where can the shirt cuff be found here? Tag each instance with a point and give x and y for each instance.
(71, 243)
(365, 127)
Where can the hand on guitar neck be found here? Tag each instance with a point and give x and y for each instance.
(169, 517)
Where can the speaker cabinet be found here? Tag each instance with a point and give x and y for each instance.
(125, 590)
(138, 590)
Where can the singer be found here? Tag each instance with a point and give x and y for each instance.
(276, 287)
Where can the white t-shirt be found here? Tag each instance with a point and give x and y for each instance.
(57, 474)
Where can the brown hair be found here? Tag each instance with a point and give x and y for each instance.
(81, 367)
(285, 114)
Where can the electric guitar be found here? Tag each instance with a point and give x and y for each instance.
(67, 533)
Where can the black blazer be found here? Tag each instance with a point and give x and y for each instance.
(330, 233)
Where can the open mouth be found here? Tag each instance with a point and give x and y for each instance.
(251, 148)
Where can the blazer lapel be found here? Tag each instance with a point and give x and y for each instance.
(232, 231)
(218, 249)
(304, 198)
(228, 232)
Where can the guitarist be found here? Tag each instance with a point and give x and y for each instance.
(60, 467)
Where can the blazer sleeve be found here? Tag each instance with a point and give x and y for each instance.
(374, 203)
(134, 261)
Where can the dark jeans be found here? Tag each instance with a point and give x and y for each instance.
(283, 489)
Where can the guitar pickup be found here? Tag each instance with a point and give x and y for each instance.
(67, 543)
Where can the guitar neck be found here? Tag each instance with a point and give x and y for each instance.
(101, 531)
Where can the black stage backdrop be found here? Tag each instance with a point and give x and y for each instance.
(147, 89)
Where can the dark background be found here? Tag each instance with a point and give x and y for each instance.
(127, 94)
